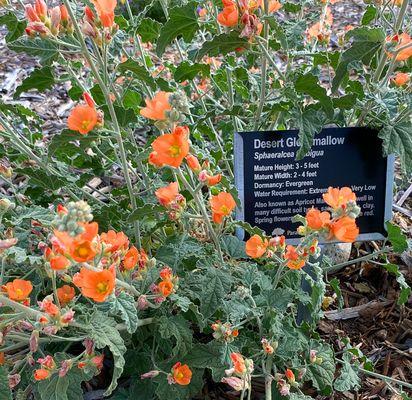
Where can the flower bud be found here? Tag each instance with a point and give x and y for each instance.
(150, 374)
(6, 204)
(142, 303)
(6, 172)
(34, 341)
(55, 17)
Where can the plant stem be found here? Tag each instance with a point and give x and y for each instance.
(56, 297)
(30, 312)
(337, 267)
(113, 116)
(264, 68)
(199, 202)
(386, 378)
(268, 378)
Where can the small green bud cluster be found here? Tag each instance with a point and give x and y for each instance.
(74, 214)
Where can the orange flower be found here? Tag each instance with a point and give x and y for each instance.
(114, 241)
(82, 118)
(345, 229)
(41, 374)
(290, 375)
(193, 162)
(65, 294)
(82, 247)
(156, 108)
(167, 194)
(182, 374)
(19, 289)
(238, 363)
(295, 261)
(166, 287)
(59, 263)
(170, 149)
(256, 246)
(229, 16)
(401, 79)
(403, 40)
(212, 180)
(105, 9)
(316, 219)
(49, 307)
(338, 198)
(321, 30)
(222, 205)
(96, 285)
(274, 5)
(132, 257)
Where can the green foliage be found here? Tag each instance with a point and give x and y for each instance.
(178, 328)
(396, 237)
(405, 288)
(348, 378)
(102, 330)
(310, 122)
(322, 374)
(46, 50)
(366, 42)
(5, 392)
(40, 79)
(123, 305)
(221, 45)
(149, 30)
(182, 21)
(397, 140)
(14, 26)
(187, 70)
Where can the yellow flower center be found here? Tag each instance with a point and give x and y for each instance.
(101, 287)
(19, 292)
(83, 251)
(179, 375)
(224, 210)
(85, 124)
(174, 150)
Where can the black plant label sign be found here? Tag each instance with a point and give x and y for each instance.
(274, 186)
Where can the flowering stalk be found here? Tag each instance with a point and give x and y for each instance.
(113, 116)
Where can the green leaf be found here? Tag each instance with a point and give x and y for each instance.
(348, 378)
(369, 15)
(310, 122)
(309, 84)
(366, 43)
(183, 21)
(176, 326)
(103, 332)
(41, 178)
(397, 238)
(345, 102)
(132, 99)
(149, 30)
(233, 246)
(40, 79)
(405, 288)
(139, 71)
(322, 374)
(5, 392)
(222, 44)
(176, 250)
(67, 139)
(334, 283)
(14, 26)
(397, 139)
(217, 284)
(43, 48)
(203, 355)
(124, 306)
(187, 70)
(148, 210)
